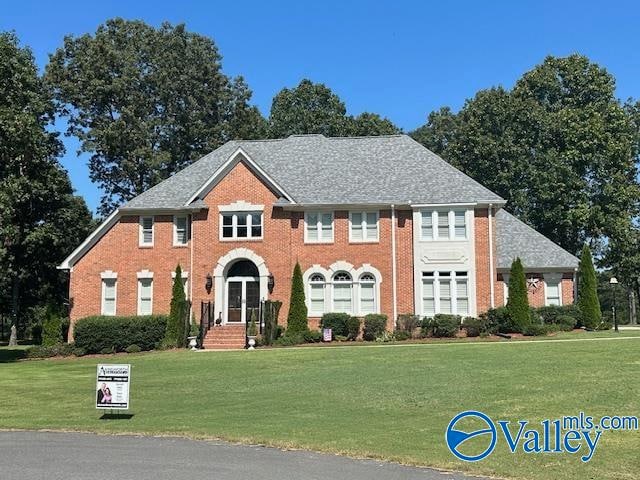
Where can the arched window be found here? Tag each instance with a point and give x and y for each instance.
(342, 292)
(367, 293)
(243, 268)
(316, 294)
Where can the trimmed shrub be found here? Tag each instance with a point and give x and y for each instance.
(297, 321)
(518, 303)
(133, 349)
(444, 326)
(353, 328)
(59, 350)
(52, 330)
(312, 336)
(271, 312)
(374, 326)
(473, 327)
(115, 334)
(494, 320)
(176, 329)
(337, 322)
(401, 335)
(551, 313)
(288, 340)
(535, 330)
(588, 291)
(565, 323)
(407, 323)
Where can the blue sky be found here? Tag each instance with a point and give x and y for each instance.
(399, 59)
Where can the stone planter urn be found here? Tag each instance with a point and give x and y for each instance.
(252, 342)
(193, 342)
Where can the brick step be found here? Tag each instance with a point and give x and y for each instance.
(225, 337)
(224, 347)
(223, 340)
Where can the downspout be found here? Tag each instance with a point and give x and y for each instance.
(393, 264)
(491, 287)
(192, 276)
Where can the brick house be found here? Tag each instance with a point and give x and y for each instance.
(378, 224)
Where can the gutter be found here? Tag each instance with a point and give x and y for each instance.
(393, 264)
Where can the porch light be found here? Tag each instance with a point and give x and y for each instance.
(270, 282)
(209, 283)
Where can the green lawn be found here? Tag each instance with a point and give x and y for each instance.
(391, 402)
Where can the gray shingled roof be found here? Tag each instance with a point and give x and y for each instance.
(515, 238)
(314, 169)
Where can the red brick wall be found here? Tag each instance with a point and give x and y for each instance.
(283, 245)
(537, 296)
(483, 271)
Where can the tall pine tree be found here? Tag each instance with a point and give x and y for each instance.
(588, 290)
(518, 303)
(297, 321)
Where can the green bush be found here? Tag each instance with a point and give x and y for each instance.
(407, 323)
(444, 326)
(353, 328)
(52, 331)
(288, 340)
(36, 333)
(565, 323)
(133, 349)
(374, 326)
(271, 328)
(551, 313)
(176, 329)
(115, 334)
(46, 351)
(337, 322)
(493, 319)
(401, 335)
(312, 336)
(297, 321)
(473, 326)
(588, 291)
(518, 303)
(535, 330)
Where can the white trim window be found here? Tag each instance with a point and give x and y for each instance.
(318, 227)
(342, 293)
(145, 296)
(363, 226)
(552, 290)
(240, 225)
(180, 230)
(317, 288)
(443, 225)
(367, 293)
(109, 296)
(146, 231)
(445, 292)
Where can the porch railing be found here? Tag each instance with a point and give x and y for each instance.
(207, 320)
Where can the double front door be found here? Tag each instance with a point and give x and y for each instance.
(243, 298)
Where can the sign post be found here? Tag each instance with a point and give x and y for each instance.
(112, 387)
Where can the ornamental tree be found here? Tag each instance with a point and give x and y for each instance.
(518, 303)
(176, 334)
(588, 290)
(297, 321)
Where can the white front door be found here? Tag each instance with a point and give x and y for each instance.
(242, 298)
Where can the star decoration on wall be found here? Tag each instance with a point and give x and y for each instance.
(532, 283)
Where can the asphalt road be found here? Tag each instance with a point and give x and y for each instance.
(79, 456)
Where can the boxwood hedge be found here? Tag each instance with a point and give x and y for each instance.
(101, 333)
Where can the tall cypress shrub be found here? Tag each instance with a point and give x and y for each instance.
(588, 290)
(518, 303)
(176, 334)
(297, 318)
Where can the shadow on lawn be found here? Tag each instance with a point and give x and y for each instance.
(117, 416)
(12, 355)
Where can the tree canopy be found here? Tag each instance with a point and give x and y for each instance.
(145, 102)
(315, 108)
(41, 221)
(559, 146)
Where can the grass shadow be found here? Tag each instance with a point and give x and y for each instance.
(117, 416)
(12, 355)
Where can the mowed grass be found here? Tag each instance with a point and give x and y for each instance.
(388, 402)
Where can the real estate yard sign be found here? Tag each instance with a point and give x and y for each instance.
(112, 387)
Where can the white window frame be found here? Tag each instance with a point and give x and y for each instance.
(234, 225)
(176, 243)
(452, 279)
(104, 277)
(374, 284)
(335, 282)
(364, 224)
(145, 275)
(552, 278)
(324, 283)
(141, 241)
(320, 238)
(451, 219)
